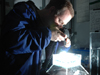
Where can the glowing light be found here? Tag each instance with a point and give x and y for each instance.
(63, 53)
(66, 60)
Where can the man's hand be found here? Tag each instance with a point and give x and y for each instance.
(68, 42)
(57, 35)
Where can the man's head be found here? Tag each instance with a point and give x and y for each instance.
(60, 11)
(56, 14)
(61, 5)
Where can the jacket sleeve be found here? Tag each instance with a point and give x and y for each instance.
(19, 37)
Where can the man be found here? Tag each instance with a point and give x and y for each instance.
(27, 30)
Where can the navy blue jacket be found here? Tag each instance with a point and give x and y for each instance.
(22, 37)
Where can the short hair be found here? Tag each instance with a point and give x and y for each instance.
(60, 5)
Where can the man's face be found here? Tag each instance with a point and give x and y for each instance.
(62, 19)
(58, 21)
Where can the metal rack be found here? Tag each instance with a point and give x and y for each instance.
(94, 53)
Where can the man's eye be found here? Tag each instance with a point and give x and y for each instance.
(60, 21)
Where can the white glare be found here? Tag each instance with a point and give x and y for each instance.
(66, 60)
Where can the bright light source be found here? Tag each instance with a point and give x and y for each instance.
(77, 72)
(63, 52)
(66, 60)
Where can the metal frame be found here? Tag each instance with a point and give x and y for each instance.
(94, 53)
